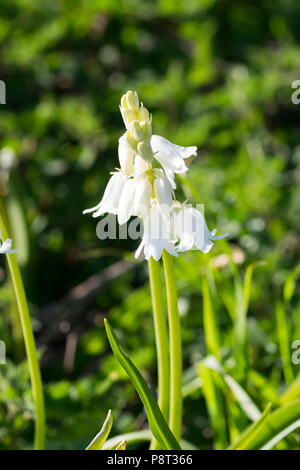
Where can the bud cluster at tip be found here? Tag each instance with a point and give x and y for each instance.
(137, 120)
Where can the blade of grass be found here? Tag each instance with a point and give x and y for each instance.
(284, 342)
(213, 399)
(156, 420)
(285, 432)
(211, 331)
(269, 426)
(100, 438)
(244, 400)
(245, 439)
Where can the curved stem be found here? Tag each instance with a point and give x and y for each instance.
(34, 369)
(175, 418)
(161, 338)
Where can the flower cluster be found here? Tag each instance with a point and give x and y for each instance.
(141, 189)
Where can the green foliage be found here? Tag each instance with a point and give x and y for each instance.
(214, 74)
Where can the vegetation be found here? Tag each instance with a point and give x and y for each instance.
(214, 74)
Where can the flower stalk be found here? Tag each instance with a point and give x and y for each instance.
(161, 339)
(33, 364)
(175, 416)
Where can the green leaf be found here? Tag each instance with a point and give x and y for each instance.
(144, 435)
(244, 400)
(281, 435)
(213, 397)
(100, 438)
(269, 427)
(247, 437)
(156, 420)
(284, 342)
(290, 284)
(211, 331)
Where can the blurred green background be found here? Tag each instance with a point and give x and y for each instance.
(216, 74)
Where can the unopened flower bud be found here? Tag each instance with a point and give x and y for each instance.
(124, 102)
(132, 100)
(128, 116)
(136, 131)
(147, 129)
(145, 150)
(143, 114)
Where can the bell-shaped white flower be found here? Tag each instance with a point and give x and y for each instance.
(111, 197)
(164, 193)
(142, 197)
(156, 237)
(190, 228)
(126, 203)
(5, 247)
(126, 156)
(171, 156)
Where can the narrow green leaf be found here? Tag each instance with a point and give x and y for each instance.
(292, 392)
(100, 438)
(290, 284)
(144, 435)
(245, 439)
(211, 331)
(269, 426)
(284, 342)
(213, 398)
(156, 420)
(281, 435)
(244, 400)
(121, 445)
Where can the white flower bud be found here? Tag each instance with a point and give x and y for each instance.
(136, 131)
(143, 114)
(147, 129)
(124, 102)
(132, 100)
(128, 116)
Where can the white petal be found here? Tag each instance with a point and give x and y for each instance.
(5, 248)
(126, 156)
(163, 193)
(142, 198)
(204, 238)
(139, 250)
(185, 229)
(126, 209)
(110, 200)
(171, 156)
(140, 165)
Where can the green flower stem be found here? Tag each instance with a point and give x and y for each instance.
(175, 418)
(34, 369)
(161, 338)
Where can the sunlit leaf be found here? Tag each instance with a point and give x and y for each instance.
(156, 420)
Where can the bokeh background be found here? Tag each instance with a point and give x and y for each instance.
(216, 74)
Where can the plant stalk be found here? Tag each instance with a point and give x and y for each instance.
(175, 416)
(162, 343)
(33, 364)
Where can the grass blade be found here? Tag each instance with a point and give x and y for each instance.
(244, 400)
(213, 397)
(99, 440)
(248, 436)
(211, 331)
(284, 342)
(285, 432)
(269, 426)
(156, 420)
